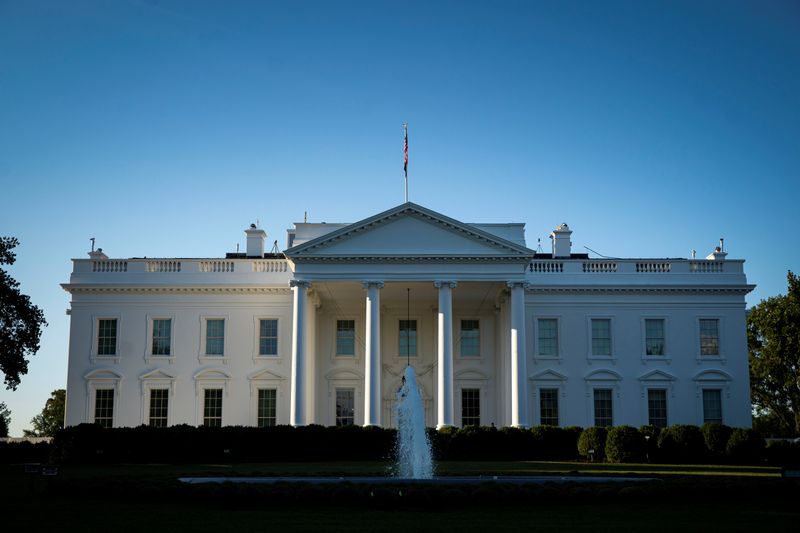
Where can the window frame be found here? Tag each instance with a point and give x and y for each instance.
(480, 405)
(720, 391)
(666, 357)
(666, 391)
(610, 391)
(335, 402)
(112, 397)
(480, 353)
(148, 350)
(399, 343)
(221, 405)
(336, 354)
(536, 341)
(257, 340)
(720, 338)
(204, 356)
(95, 350)
(150, 405)
(612, 356)
(555, 388)
(274, 390)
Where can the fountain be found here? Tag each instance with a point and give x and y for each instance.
(414, 458)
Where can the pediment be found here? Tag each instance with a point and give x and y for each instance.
(103, 373)
(344, 375)
(712, 374)
(157, 373)
(548, 375)
(603, 374)
(408, 231)
(212, 373)
(471, 374)
(265, 374)
(657, 375)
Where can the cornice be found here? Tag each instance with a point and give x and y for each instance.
(97, 289)
(596, 289)
(409, 259)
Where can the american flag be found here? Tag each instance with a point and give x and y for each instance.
(405, 149)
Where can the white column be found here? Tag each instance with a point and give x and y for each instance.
(297, 409)
(519, 373)
(372, 371)
(445, 354)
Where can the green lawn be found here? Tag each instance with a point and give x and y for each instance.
(146, 498)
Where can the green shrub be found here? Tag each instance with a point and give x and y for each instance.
(782, 452)
(745, 446)
(553, 443)
(716, 438)
(681, 444)
(625, 444)
(592, 443)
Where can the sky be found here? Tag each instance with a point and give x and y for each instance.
(163, 128)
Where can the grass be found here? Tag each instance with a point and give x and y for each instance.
(139, 498)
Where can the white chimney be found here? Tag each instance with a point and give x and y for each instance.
(562, 247)
(98, 255)
(255, 241)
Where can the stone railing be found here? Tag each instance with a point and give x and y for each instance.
(217, 266)
(706, 266)
(182, 267)
(110, 265)
(636, 267)
(544, 267)
(653, 266)
(270, 265)
(599, 266)
(163, 266)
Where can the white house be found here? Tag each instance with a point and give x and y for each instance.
(497, 333)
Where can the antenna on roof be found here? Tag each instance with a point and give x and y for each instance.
(539, 246)
(92, 239)
(599, 254)
(275, 249)
(305, 216)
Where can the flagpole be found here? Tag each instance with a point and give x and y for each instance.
(405, 156)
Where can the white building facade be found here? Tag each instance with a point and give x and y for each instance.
(321, 333)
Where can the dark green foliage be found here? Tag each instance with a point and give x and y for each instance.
(592, 443)
(745, 446)
(716, 438)
(650, 434)
(553, 443)
(773, 341)
(625, 444)
(782, 453)
(681, 444)
(24, 452)
(21, 322)
(5, 420)
(51, 419)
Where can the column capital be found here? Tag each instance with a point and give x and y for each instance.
(439, 283)
(372, 283)
(515, 284)
(299, 283)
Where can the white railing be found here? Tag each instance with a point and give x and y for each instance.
(653, 266)
(111, 265)
(599, 266)
(544, 267)
(705, 266)
(163, 266)
(270, 265)
(216, 266)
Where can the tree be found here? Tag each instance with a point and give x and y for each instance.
(5, 420)
(21, 322)
(51, 418)
(773, 340)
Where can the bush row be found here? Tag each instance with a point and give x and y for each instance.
(712, 443)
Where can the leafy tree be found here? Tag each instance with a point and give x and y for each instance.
(21, 322)
(5, 420)
(51, 418)
(773, 340)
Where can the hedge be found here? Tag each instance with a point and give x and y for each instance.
(592, 443)
(625, 444)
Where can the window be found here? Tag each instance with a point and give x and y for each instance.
(345, 407)
(104, 407)
(408, 338)
(215, 336)
(107, 336)
(266, 407)
(548, 407)
(470, 338)
(712, 406)
(709, 336)
(159, 403)
(657, 407)
(601, 336)
(470, 407)
(345, 337)
(162, 335)
(603, 414)
(268, 337)
(212, 408)
(548, 337)
(654, 336)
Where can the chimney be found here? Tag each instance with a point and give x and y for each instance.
(255, 241)
(98, 255)
(719, 252)
(561, 241)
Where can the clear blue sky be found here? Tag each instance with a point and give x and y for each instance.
(163, 128)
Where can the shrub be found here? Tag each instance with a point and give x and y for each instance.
(625, 444)
(681, 444)
(782, 452)
(552, 443)
(716, 438)
(745, 446)
(592, 443)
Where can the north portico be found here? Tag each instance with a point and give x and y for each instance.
(410, 259)
(321, 332)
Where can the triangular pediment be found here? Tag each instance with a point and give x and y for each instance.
(103, 373)
(548, 375)
(409, 231)
(657, 375)
(265, 374)
(157, 373)
(471, 374)
(212, 374)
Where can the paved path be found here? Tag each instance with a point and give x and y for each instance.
(439, 480)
